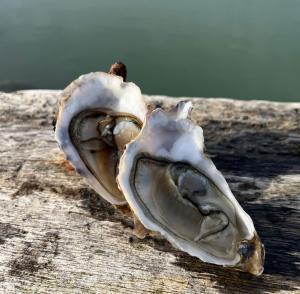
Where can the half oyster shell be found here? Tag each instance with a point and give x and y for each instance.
(98, 115)
(176, 190)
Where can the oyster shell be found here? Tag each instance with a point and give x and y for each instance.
(98, 114)
(176, 190)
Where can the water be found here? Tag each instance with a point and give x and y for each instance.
(210, 48)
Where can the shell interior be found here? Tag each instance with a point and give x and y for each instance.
(99, 114)
(175, 189)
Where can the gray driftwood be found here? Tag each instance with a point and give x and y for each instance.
(58, 236)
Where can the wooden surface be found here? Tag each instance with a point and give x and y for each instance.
(58, 236)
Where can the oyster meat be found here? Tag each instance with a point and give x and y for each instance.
(98, 115)
(176, 190)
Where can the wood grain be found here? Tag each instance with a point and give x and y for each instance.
(58, 236)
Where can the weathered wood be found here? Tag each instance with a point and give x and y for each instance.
(58, 236)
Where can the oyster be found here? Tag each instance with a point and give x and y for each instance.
(176, 190)
(98, 115)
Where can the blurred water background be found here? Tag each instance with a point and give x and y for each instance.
(208, 48)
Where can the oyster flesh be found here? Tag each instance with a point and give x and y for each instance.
(176, 190)
(98, 115)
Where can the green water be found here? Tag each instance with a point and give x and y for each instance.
(228, 48)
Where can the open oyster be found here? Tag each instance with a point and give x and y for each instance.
(174, 189)
(98, 115)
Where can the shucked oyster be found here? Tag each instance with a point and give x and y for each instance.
(175, 190)
(98, 115)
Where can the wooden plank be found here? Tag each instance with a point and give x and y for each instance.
(58, 236)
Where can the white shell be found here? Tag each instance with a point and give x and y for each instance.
(89, 92)
(172, 138)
